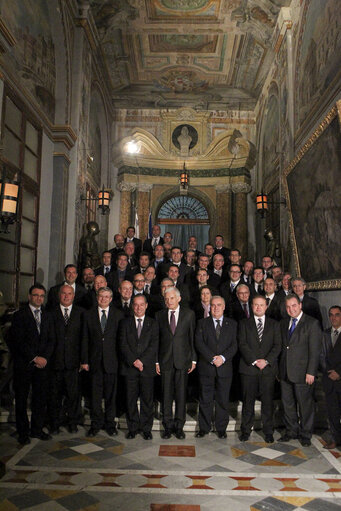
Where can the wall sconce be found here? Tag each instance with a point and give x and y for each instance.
(103, 198)
(262, 203)
(184, 181)
(9, 197)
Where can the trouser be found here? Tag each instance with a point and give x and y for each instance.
(143, 387)
(298, 395)
(174, 386)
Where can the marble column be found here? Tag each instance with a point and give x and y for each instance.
(223, 213)
(125, 204)
(239, 216)
(143, 194)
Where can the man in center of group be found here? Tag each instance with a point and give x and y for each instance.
(176, 359)
(216, 343)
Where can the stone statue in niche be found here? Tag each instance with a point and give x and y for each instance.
(88, 249)
(184, 140)
(273, 248)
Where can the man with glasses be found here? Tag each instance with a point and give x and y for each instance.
(228, 289)
(31, 341)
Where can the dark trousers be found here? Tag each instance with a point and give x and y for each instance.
(214, 389)
(301, 395)
(174, 386)
(103, 385)
(253, 387)
(142, 386)
(24, 379)
(64, 383)
(333, 401)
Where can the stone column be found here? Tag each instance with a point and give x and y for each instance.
(125, 204)
(239, 229)
(223, 213)
(143, 193)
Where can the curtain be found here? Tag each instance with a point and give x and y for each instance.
(181, 233)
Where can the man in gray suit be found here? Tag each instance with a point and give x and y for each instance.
(176, 359)
(331, 369)
(301, 348)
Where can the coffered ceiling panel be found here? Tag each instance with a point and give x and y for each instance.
(200, 53)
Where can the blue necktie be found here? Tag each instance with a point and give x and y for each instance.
(293, 326)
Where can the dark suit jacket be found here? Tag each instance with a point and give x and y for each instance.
(99, 350)
(225, 252)
(113, 279)
(330, 359)
(53, 296)
(311, 307)
(147, 245)
(24, 340)
(207, 346)
(138, 245)
(274, 309)
(176, 350)
(100, 270)
(225, 292)
(251, 349)
(67, 350)
(253, 290)
(236, 311)
(301, 354)
(132, 348)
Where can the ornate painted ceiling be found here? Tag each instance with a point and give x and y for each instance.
(198, 53)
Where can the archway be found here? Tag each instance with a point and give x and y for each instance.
(184, 216)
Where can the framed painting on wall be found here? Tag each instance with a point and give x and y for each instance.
(312, 185)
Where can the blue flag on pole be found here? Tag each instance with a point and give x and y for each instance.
(150, 227)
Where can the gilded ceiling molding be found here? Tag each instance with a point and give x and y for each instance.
(123, 186)
(241, 188)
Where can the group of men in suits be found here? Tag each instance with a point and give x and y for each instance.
(132, 316)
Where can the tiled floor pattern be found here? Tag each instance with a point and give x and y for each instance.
(73, 472)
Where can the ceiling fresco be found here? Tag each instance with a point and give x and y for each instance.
(198, 53)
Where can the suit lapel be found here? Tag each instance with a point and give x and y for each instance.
(299, 325)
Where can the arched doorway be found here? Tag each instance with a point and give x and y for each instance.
(184, 216)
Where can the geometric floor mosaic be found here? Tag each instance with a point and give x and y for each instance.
(73, 472)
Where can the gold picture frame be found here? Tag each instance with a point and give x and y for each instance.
(312, 186)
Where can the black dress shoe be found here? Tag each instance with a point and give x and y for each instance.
(147, 435)
(244, 437)
(287, 438)
(305, 442)
(42, 436)
(130, 435)
(92, 432)
(167, 434)
(72, 428)
(24, 440)
(269, 439)
(200, 433)
(222, 434)
(180, 435)
(111, 430)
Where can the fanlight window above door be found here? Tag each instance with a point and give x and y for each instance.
(183, 207)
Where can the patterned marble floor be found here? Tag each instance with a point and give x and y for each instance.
(72, 472)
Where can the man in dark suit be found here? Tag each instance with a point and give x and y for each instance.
(131, 237)
(259, 341)
(273, 302)
(301, 347)
(216, 344)
(310, 306)
(99, 356)
(228, 289)
(90, 298)
(267, 264)
(247, 272)
(138, 345)
(156, 239)
(241, 308)
(122, 272)
(218, 275)
(31, 342)
(70, 272)
(220, 249)
(106, 266)
(88, 277)
(144, 262)
(118, 248)
(176, 257)
(176, 359)
(65, 362)
(257, 283)
(174, 274)
(123, 302)
(160, 263)
(331, 370)
(129, 249)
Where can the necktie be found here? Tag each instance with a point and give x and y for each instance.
(103, 321)
(66, 316)
(146, 289)
(246, 311)
(268, 301)
(260, 329)
(106, 270)
(293, 326)
(334, 337)
(37, 318)
(139, 327)
(172, 323)
(231, 287)
(154, 243)
(218, 329)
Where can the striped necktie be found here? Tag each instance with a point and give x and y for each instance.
(260, 329)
